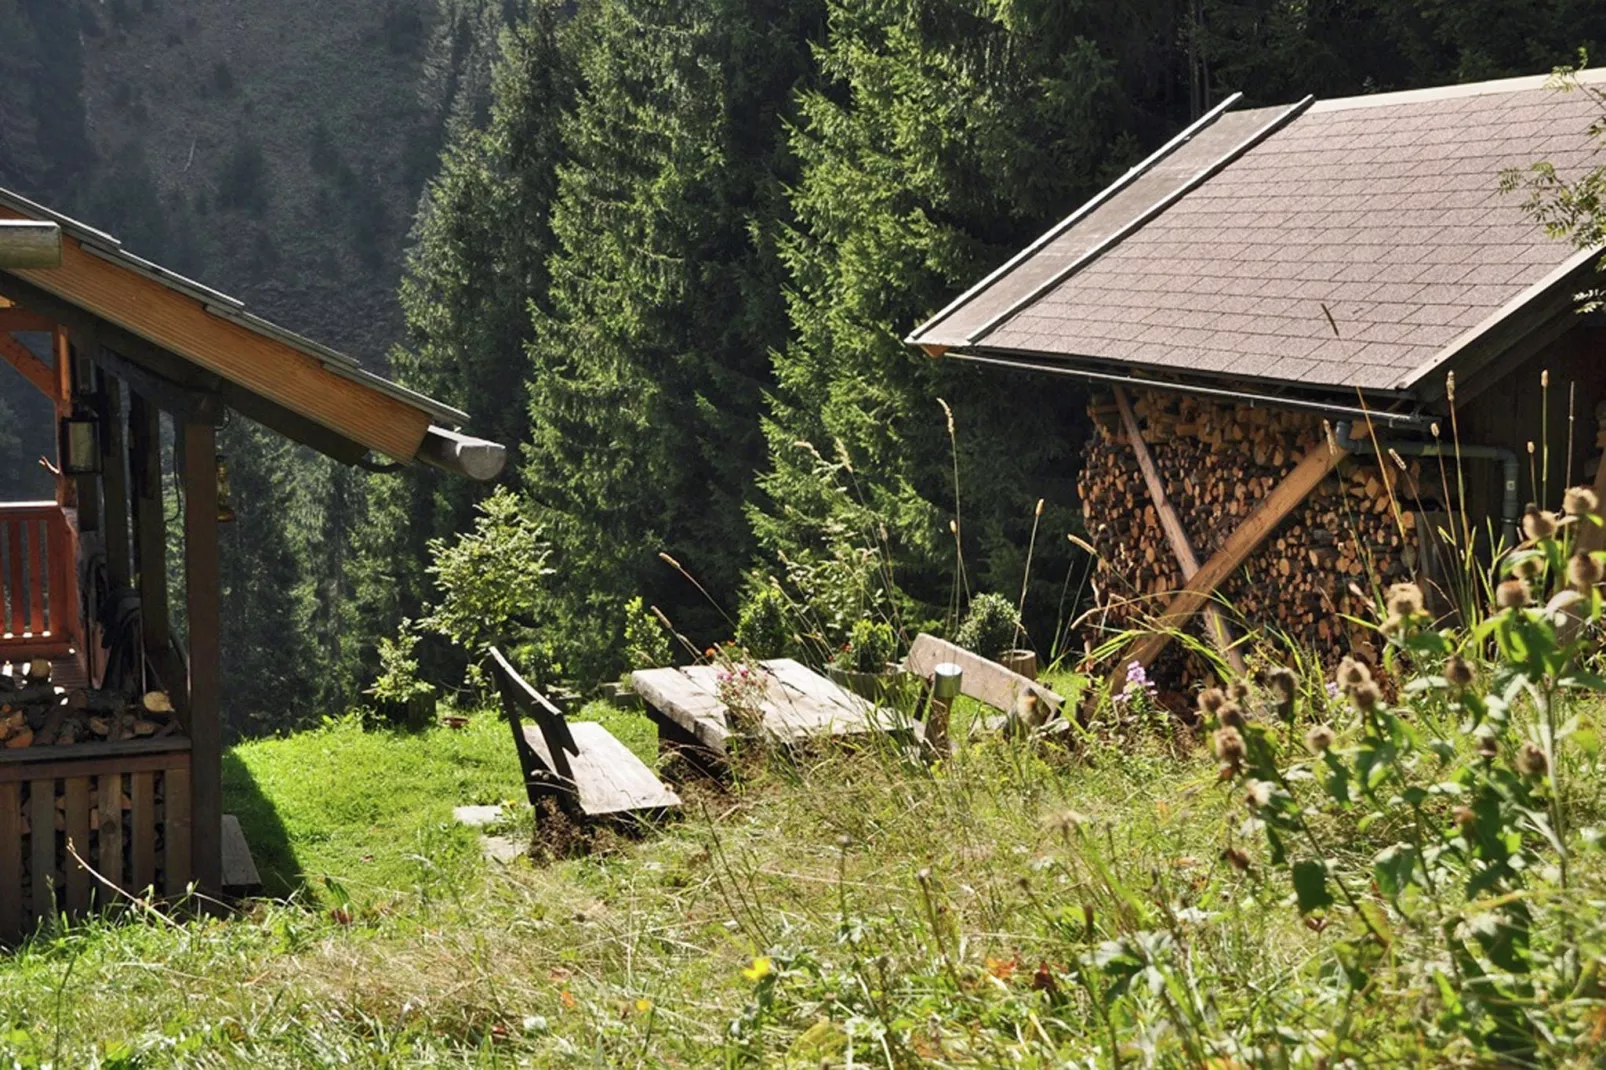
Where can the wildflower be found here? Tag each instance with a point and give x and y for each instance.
(1352, 674)
(1367, 697)
(1531, 761)
(1458, 671)
(1229, 747)
(761, 968)
(1211, 699)
(1512, 594)
(1137, 683)
(1584, 571)
(1537, 523)
(1231, 715)
(1528, 568)
(1319, 738)
(1580, 501)
(1405, 600)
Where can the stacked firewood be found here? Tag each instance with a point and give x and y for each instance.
(1217, 462)
(36, 713)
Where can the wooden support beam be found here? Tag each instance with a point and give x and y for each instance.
(187, 403)
(150, 542)
(13, 318)
(1175, 534)
(1272, 510)
(114, 484)
(476, 458)
(41, 375)
(204, 619)
(29, 243)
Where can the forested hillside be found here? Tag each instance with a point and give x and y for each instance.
(668, 253)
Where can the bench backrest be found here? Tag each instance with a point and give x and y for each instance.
(985, 681)
(518, 697)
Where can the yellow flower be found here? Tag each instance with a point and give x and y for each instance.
(761, 968)
(643, 1006)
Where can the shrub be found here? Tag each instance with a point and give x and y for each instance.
(647, 643)
(990, 627)
(871, 645)
(492, 580)
(762, 627)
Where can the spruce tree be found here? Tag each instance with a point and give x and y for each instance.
(647, 372)
(947, 134)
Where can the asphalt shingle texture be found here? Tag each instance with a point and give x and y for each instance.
(1386, 217)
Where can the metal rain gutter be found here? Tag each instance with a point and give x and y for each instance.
(1510, 468)
(1415, 420)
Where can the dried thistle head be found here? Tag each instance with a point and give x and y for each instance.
(1531, 760)
(1229, 746)
(1458, 671)
(1352, 674)
(1319, 738)
(1405, 600)
(1512, 594)
(1580, 501)
(1211, 699)
(1238, 691)
(1585, 571)
(1230, 715)
(1463, 817)
(1538, 524)
(1367, 697)
(1488, 746)
(1283, 683)
(1528, 568)
(1257, 793)
(1236, 859)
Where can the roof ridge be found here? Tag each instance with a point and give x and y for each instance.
(1521, 84)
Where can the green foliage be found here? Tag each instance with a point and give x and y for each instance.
(491, 581)
(990, 627)
(398, 680)
(648, 364)
(871, 646)
(763, 628)
(647, 644)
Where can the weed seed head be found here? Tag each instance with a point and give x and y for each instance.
(1512, 594)
(1229, 744)
(1319, 739)
(1367, 697)
(1257, 794)
(1238, 691)
(1488, 746)
(1579, 501)
(1537, 523)
(1352, 674)
(1529, 568)
(1584, 571)
(1531, 761)
(1458, 670)
(1405, 600)
(1464, 817)
(1231, 715)
(1283, 683)
(1236, 859)
(1211, 699)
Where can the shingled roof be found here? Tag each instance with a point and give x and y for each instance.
(1354, 243)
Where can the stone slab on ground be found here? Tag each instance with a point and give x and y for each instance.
(476, 817)
(502, 849)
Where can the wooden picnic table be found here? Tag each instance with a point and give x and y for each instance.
(798, 704)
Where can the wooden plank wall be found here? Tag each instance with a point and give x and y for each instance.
(127, 817)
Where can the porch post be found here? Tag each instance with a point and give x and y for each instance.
(201, 580)
(150, 541)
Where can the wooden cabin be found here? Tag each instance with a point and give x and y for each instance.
(110, 729)
(1320, 340)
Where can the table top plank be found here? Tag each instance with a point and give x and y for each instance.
(798, 703)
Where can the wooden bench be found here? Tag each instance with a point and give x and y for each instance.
(985, 681)
(579, 765)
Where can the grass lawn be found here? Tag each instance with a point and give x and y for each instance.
(1013, 906)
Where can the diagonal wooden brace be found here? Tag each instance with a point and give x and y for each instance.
(1175, 534)
(1273, 509)
(36, 371)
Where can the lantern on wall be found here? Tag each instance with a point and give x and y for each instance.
(80, 446)
(225, 507)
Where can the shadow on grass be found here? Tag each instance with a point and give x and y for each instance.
(265, 834)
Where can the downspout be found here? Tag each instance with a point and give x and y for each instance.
(1510, 468)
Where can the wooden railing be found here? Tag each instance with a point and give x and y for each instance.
(38, 600)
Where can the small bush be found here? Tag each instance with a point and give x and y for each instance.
(871, 645)
(647, 643)
(491, 579)
(990, 627)
(762, 627)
